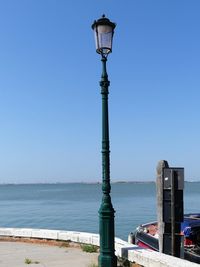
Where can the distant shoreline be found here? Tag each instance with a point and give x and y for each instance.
(89, 183)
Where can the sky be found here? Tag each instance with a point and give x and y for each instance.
(50, 101)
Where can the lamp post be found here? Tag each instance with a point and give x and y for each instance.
(104, 30)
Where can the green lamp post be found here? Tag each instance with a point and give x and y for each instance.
(104, 30)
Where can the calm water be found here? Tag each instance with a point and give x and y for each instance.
(75, 206)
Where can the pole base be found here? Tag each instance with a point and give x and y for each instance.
(107, 261)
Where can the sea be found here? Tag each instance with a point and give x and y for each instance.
(74, 206)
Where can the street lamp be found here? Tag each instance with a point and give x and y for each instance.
(104, 30)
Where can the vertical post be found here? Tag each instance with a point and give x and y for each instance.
(174, 177)
(159, 188)
(107, 256)
(170, 185)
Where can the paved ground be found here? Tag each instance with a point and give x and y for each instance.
(14, 254)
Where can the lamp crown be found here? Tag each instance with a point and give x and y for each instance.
(103, 21)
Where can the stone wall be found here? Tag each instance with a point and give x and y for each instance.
(131, 254)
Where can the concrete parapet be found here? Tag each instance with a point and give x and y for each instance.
(95, 240)
(149, 258)
(123, 249)
(65, 235)
(7, 231)
(24, 232)
(46, 234)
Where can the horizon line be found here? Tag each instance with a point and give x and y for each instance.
(84, 182)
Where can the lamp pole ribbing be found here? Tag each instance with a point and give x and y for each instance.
(104, 30)
(107, 256)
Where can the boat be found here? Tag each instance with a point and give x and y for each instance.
(146, 236)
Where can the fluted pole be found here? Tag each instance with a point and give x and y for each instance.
(107, 256)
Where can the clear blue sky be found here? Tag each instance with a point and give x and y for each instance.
(50, 102)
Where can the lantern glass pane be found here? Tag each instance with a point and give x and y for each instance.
(96, 38)
(105, 34)
(104, 29)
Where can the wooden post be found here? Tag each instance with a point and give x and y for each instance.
(159, 188)
(170, 185)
